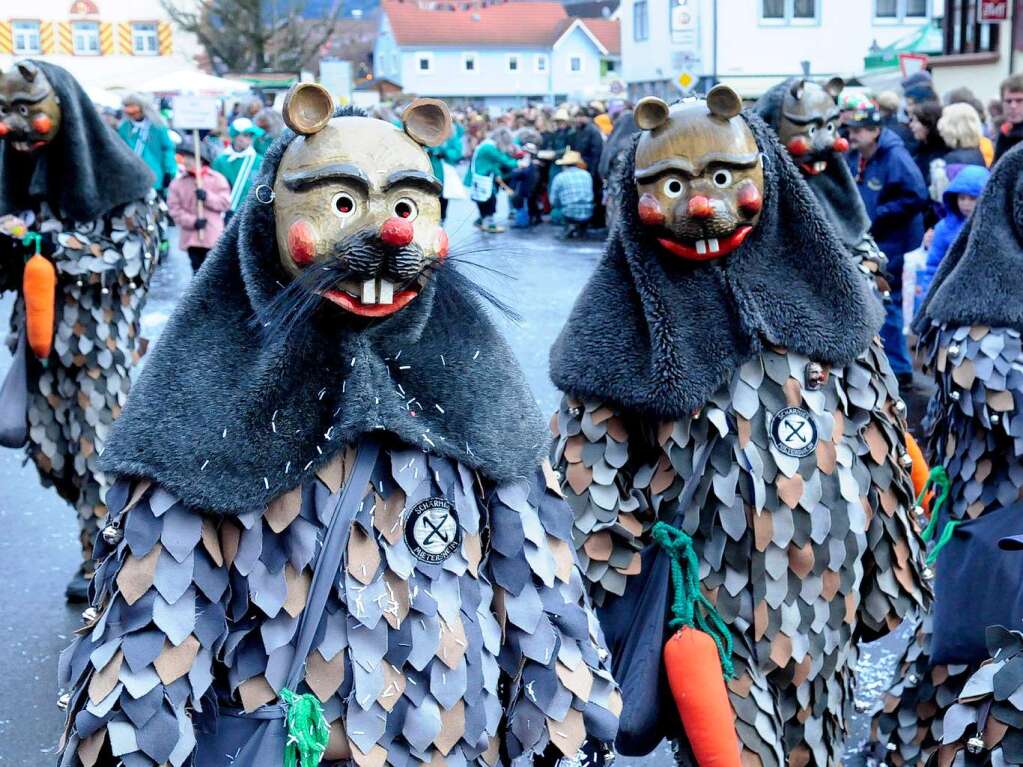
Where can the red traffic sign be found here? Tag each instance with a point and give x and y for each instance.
(993, 11)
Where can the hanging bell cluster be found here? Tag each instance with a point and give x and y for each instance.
(112, 534)
(815, 376)
(975, 745)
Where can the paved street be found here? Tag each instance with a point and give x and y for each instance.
(38, 552)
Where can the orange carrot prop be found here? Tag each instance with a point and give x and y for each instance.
(698, 658)
(919, 472)
(39, 286)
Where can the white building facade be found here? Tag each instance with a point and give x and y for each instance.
(751, 44)
(104, 43)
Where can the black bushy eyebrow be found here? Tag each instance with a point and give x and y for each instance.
(426, 181)
(300, 180)
(821, 117)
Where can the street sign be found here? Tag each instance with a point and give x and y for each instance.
(993, 11)
(686, 82)
(195, 112)
(684, 27)
(910, 63)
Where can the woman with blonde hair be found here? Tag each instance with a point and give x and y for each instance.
(960, 128)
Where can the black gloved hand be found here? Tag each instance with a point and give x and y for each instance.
(200, 224)
(200, 194)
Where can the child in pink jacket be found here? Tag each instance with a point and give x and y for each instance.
(198, 235)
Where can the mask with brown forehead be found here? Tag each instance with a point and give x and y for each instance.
(29, 108)
(356, 204)
(808, 124)
(699, 174)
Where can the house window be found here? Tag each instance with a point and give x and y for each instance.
(424, 63)
(540, 62)
(789, 11)
(610, 66)
(898, 11)
(143, 38)
(575, 64)
(963, 33)
(513, 63)
(640, 29)
(26, 37)
(85, 36)
(470, 63)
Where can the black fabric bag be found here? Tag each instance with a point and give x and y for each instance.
(636, 627)
(977, 585)
(14, 398)
(258, 738)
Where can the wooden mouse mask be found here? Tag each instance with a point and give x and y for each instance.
(699, 174)
(355, 198)
(29, 108)
(808, 124)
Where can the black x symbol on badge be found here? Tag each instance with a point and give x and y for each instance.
(795, 430)
(435, 530)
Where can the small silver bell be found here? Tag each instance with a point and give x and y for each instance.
(912, 679)
(557, 476)
(975, 745)
(995, 418)
(920, 516)
(90, 614)
(886, 295)
(64, 701)
(955, 396)
(905, 460)
(953, 349)
(900, 406)
(927, 573)
(861, 706)
(575, 412)
(815, 376)
(112, 534)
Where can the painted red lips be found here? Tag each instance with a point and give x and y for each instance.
(709, 249)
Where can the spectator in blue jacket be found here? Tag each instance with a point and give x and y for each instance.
(895, 196)
(960, 199)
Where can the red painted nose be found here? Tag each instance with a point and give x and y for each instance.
(798, 146)
(841, 145)
(4, 129)
(397, 232)
(700, 207)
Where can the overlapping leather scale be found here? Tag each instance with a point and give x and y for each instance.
(493, 652)
(874, 264)
(103, 273)
(802, 556)
(975, 433)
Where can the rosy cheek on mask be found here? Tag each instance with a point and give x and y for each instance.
(302, 243)
(749, 198)
(42, 124)
(650, 212)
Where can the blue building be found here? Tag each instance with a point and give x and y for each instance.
(497, 56)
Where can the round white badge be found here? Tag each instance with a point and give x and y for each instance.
(431, 531)
(794, 432)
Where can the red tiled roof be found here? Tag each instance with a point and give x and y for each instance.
(608, 31)
(506, 24)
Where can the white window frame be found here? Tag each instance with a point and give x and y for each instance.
(646, 20)
(517, 69)
(146, 32)
(900, 16)
(582, 65)
(474, 57)
(26, 35)
(420, 57)
(789, 19)
(540, 63)
(78, 35)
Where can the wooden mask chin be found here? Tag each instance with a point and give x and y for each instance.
(355, 199)
(808, 124)
(699, 174)
(29, 107)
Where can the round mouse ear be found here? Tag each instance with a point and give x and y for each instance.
(308, 107)
(27, 70)
(834, 87)
(797, 88)
(650, 112)
(427, 121)
(723, 102)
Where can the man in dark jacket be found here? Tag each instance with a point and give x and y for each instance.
(1011, 132)
(895, 195)
(588, 141)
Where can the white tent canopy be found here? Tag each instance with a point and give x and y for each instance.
(192, 82)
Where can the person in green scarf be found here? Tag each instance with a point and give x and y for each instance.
(240, 162)
(451, 152)
(144, 130)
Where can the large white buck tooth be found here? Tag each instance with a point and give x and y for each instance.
(386, 292)
(369, 292)
(712, 245)
(701, 247)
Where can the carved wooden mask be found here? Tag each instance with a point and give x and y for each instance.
(358, 196)
(699, 174)
(29, 107)
(808, 124)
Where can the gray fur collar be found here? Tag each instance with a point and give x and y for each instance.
(980, 280)
(658, 335)
(227, 419)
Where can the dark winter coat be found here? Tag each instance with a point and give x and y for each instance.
(1009, 135)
